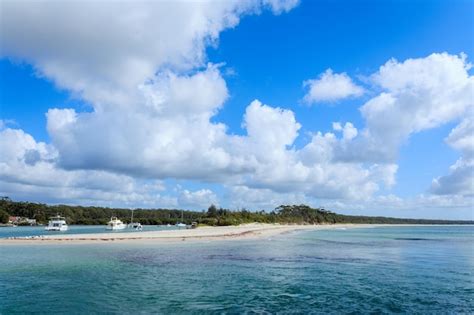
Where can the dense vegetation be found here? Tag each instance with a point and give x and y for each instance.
(297, 214)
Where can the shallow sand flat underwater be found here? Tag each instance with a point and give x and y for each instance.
(318, 270)
(201, 233)
(254, 230)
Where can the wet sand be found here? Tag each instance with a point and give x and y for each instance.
(201, 233)
(247, 231)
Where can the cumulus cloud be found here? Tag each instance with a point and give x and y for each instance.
(28, 170)
(274, 128)
(199, 199)
(103, 50)
(418, 206)
(331, 87)
(241, 196)
(460, 180)
(154, 98)
(416, 95)
(311, 170)
(279, 6)
(349, 132)
(462, 137)
(170, 135)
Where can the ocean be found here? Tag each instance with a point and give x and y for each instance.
(22, 231)
(377, 270)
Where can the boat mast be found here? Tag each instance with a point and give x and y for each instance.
(132, 217)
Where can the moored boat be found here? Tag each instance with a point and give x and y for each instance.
(115, 224)
(135, 225)
(181, 224)
(57, 223)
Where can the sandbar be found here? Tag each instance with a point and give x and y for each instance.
(245, 231)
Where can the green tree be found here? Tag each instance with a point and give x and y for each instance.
(4, 216)
(212, 211)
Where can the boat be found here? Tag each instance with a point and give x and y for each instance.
(180, 224)
(115, 224)
(57, 223)
(135, 225)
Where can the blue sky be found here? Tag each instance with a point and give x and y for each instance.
(266, 56)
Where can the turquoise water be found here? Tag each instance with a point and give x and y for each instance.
(423, 270)
(22, 231)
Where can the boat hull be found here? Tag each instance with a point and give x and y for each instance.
(135, 226)
(116, 227)
(56, 228)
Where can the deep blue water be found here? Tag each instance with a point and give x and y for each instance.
(21, 231)
(416, 270)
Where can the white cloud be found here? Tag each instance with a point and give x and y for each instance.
(462, 137)
(418, 94)
(270, 127)
(331, 87)
(103, 50)
(41, 180)
(460, 180)
(310, 170)
(169, 136)
(199, 199)
(151, 117)
(349, 132)
(142, 67)
(419, 206)
(279, 6)
(257, 199)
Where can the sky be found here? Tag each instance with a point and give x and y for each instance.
(360, 107)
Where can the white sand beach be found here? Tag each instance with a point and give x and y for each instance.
(206, 233)
(202, 233)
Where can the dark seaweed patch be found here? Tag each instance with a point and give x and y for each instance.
(413, 239)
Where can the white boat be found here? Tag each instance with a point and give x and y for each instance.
(180, 224)
(115, 224)
(135, 225)
(57, 223)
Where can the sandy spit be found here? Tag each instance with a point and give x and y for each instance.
(202, 233)
(247, 231)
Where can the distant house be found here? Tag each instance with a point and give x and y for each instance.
(31, 221)
(21, 220)
(14, 219)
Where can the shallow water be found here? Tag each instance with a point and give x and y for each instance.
(22, 231)
(365, 270)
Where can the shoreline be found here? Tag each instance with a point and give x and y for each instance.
(199, 234)
(247, 231)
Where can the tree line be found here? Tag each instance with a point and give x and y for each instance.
(214, 216)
